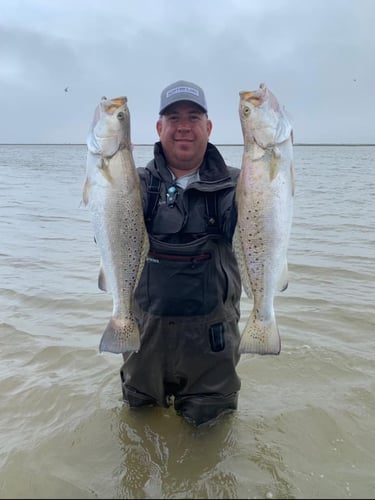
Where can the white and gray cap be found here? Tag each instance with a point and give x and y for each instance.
(182, 91)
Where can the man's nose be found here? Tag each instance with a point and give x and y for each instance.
(183, 125)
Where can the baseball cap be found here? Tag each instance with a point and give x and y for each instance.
(182, 91)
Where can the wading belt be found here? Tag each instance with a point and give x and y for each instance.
(153, 191)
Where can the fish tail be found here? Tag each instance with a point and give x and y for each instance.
(260, 337)
(120, 335)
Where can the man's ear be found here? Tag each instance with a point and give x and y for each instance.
(209, 127)
(158, 126)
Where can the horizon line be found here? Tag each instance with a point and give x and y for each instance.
(216, 144)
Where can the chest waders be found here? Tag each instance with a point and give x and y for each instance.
(187, 306)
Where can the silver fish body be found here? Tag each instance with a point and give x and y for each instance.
(112, 195)
(264, 198)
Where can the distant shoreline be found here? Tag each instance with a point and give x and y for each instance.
(216, 144)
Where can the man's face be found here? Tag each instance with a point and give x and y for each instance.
(184, 131)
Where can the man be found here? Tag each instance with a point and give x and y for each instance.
(187, 300)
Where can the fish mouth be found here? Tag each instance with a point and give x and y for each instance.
(112, 105)
(117, 101)
(252, 96)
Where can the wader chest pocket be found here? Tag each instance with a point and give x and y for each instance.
(177, 285)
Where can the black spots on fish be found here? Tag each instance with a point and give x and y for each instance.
(134, 237)
(253, 210)
(127, 282)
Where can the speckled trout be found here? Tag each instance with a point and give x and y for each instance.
(112, 194)
(264, 197)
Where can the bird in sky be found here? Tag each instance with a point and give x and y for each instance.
(66, 89)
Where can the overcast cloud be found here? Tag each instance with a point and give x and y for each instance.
(317, 57)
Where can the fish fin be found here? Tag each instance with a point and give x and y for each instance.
(283, 130)
(102, 282)
(282, 283)
(93, 145)
(86, 191)
(120, 335)
(241, 263)
(104, 169)
(274, 164)
(257, 149)
(144, 252)
(260, 337)
(292, 178)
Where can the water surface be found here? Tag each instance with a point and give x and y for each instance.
(305, 427)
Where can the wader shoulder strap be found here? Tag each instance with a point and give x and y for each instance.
(153, 190)
(212, 213)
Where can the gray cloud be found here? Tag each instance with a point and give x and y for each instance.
(316, 58)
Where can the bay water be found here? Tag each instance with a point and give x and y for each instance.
(305, 426)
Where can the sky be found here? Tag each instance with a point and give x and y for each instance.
(318, 59)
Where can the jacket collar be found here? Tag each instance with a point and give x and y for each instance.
(212, 170)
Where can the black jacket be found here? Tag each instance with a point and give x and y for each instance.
(191, 269)
(188, 218)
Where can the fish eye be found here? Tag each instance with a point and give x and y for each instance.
(120, 115)
(246, 110)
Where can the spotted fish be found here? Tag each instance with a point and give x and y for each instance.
(112, 194)
(264, 197)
